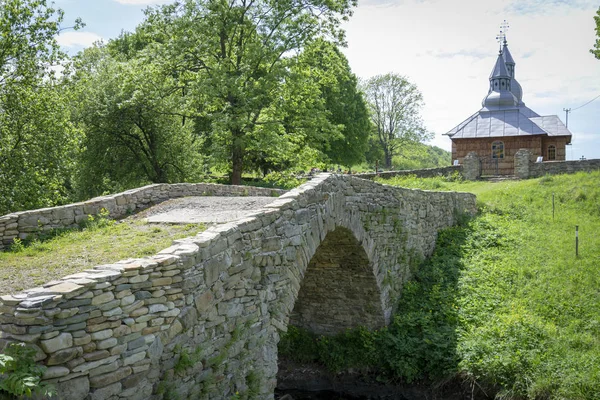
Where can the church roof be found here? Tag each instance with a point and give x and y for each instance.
(506, 54)
(499, 70)
(503, 113)
(504, 123)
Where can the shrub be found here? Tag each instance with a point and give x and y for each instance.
(19, 374)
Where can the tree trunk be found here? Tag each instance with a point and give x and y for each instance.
(237, 158)
(388, 159)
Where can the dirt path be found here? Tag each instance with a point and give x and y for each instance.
(204, 209)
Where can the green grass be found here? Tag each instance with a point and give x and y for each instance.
(503, 302)
(100, 242)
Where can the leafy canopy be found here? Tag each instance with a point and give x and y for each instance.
(395, 103)
(231, 57)
(596, 50)
(36, 136)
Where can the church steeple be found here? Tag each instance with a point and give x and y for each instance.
(508, 60)
(505, 91)
(515, 87)
(499, 94)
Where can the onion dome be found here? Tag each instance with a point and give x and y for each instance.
(500, 94)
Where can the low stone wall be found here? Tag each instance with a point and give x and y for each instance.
(527, 167)
(562, 167)
(419, 173)
(202, 319)
(22, 224)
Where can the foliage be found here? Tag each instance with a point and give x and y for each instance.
(343, 102)
(186, 359)
(133, 133)
(28, 47)
(418, 156)
(37, 140)
(596, 50)
(19, 374)
(231, 59)
(503, 302)
(394, 105)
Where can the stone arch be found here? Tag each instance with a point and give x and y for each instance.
(339, 289)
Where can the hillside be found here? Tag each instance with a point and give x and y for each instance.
(503, 304)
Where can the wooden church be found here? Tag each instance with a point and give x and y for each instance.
(505, 124)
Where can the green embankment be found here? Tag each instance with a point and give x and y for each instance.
(503, 302)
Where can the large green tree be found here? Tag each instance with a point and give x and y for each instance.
(134, 133)
(395, 104)
(596, 50)
(231, 58)
(36, 138)
(344, 105)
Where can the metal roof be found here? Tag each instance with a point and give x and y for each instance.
(504, 114)
(499, 70)
(506, 54)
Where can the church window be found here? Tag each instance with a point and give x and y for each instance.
(497, 150)
(551, 152)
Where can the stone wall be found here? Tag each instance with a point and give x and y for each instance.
(202, 318)
(419, 173)
(24, 223)
(526, 167)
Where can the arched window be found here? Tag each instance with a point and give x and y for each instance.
(498, 150)
(552, 152)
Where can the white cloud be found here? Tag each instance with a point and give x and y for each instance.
(142, 2)
(77, 38)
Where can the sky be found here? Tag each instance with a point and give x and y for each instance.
(447, 48)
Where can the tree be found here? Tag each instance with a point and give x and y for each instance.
(394, 105)
(133, 133)
(343, 103)
(596, 50)
(230, 58)
(37, 140)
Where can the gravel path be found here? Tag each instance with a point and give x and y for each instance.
(204, 209)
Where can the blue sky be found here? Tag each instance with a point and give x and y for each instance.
(447, 48)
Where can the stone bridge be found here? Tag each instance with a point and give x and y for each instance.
(202, 319)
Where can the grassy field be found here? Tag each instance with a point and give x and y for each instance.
(100, 242)
(503, 303)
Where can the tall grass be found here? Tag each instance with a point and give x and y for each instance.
(503, 302)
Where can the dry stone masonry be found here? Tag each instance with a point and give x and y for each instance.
(527, 167)
(202, 319)
(24, 223)
(419, 173)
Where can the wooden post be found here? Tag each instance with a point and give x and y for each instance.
(576, 240)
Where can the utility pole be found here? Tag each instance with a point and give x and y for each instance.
(567, 111)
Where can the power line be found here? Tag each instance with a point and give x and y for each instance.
(585, 104)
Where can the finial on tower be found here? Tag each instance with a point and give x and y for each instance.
(501, 37)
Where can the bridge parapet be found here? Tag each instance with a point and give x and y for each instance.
(202, 318)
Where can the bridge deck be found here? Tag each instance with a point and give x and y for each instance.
(204, 209)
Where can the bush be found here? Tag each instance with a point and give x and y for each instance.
(19, 374)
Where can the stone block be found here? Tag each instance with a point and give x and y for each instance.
(74, 389)
(110, 378)
(59, 342)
